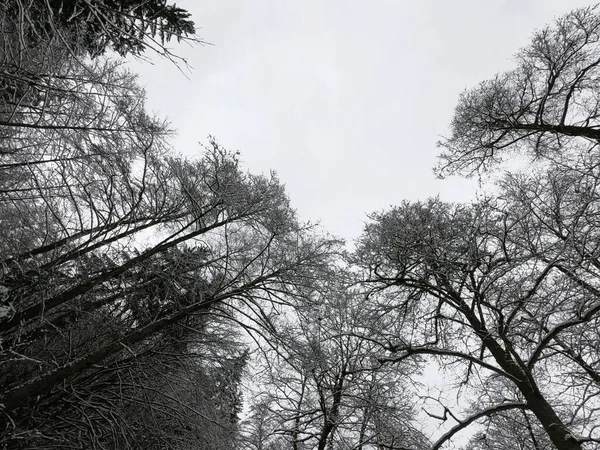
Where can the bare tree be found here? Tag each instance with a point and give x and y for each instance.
(510, 429)
(547, 105)
(259, 430)
(497, 289)
(325, 387)
(513, 280)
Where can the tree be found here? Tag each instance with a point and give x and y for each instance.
(259, 430)
(494, 289)
(49, 85)
(548, 105)
(115, 248)
(92, 28)
(168, 395)
(324, 388)
(89, 281)
(120, 260)
(513, 280)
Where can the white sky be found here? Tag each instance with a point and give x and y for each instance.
(344, 99)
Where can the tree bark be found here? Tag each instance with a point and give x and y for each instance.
(567, 130)
(558, 432)
(332, 418)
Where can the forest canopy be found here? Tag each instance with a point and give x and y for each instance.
(140, 287)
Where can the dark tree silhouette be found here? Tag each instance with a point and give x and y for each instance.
(92, 28)
(548, 105)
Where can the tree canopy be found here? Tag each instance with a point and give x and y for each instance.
(547, 105)
(139, 288)
(92, 28)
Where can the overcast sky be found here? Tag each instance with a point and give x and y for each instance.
(344, 99)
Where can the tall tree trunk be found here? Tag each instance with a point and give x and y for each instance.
(568, 130)
(331, 419)
(557, 431)
(296, 432)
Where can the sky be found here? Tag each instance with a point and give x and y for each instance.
(345, 100)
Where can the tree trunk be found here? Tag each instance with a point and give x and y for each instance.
(332, 418)
(363, 429)
(567, 130)
(557, 431)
